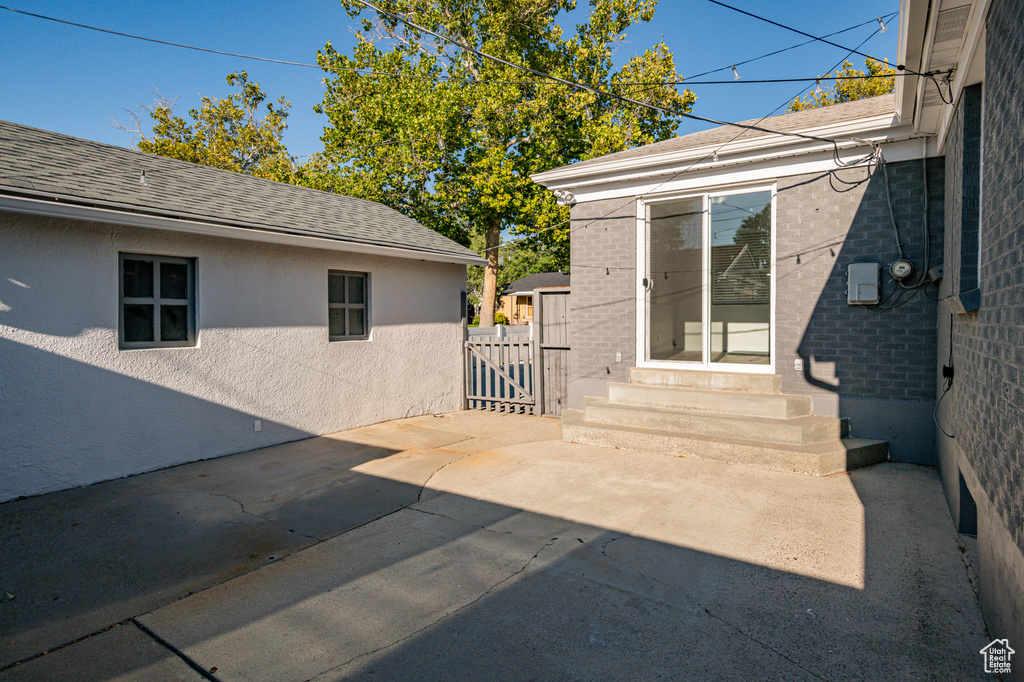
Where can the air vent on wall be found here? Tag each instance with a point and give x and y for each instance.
(951, 23)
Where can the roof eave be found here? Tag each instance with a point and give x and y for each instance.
(72, 209)
(784, 144)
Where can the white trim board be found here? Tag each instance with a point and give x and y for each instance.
(705, 177)
(105, 215)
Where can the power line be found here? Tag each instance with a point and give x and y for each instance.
(813, 38)
(710, 154)
(210, 50)
(582, 86)
(441, 77)
(791, 47)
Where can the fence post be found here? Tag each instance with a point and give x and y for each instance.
(466, 380)
(536, 335)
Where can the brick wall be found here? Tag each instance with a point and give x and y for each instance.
(876, 369)
(825, 222)
(603, 298)
(986, 410)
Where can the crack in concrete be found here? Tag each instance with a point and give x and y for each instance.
(444, 616)
(971, 573)
(693, 601)
(241, 507)
(452, 518)
(51, 650)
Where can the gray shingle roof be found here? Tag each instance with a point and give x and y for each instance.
(538, 280)
(798, 120)
(45, 163)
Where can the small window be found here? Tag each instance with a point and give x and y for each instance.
(157, 301)
(348, 313)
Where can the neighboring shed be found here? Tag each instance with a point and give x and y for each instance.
(516, 299)
(154, 312)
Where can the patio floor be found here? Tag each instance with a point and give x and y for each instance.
(478, 545)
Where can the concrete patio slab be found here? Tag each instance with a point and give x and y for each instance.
(122, 654)
(479, 546)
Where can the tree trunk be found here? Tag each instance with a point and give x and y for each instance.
(492, 235)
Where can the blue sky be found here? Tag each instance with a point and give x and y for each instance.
(74, 81)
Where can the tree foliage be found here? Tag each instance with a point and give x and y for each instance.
(878, 79)
(518, 259)
(453, 144)
(227, 133)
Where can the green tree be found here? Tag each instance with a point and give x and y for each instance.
(518, 259)
(878, 79)
(227, 133)
(454, 142)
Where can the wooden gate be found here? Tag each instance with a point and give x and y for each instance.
(551, 328)
(499, 371)
(521, 369)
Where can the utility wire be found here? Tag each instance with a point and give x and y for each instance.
(813, 38)
(706, 156)
(887, 17)
(440, 77)
(581, 86)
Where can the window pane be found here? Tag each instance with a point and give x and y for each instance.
(675, 281)
(741, 278)
(355, 290)
(138, 278)
(335, 288)
(356, 325)
(173, 280)
(336, 322)
(174, 323)
(138, 323)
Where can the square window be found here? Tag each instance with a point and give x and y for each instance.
(157, 301)
(347, 305)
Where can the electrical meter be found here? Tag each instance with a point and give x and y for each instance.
(901, 269)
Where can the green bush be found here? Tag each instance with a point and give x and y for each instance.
(499, 318)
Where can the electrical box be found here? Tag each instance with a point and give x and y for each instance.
(862, 284)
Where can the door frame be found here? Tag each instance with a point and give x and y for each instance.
(643, 260)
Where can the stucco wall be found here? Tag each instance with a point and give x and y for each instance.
(76, 409)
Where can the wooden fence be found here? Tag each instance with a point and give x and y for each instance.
(522, 369)
(499, 369)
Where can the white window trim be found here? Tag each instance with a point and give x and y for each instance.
(642, 266)
(156, 301)
(365, 305)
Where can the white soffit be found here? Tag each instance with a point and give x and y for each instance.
(954, 29)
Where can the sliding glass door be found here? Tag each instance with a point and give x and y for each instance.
(707, 281)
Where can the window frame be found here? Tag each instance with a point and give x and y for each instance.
(346, 305)
(156, 300)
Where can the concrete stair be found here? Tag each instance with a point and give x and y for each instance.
(723, 416)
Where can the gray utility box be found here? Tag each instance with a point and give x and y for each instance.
(862, 283)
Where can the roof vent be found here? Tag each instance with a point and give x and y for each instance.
(951, 23)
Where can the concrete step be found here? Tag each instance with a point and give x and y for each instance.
(721, 402)
(734, 382)
(819, 459)
(794, 431)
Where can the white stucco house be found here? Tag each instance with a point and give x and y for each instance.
(155, 312)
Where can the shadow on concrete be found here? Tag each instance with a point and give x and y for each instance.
(424, 584)
(461, 588)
